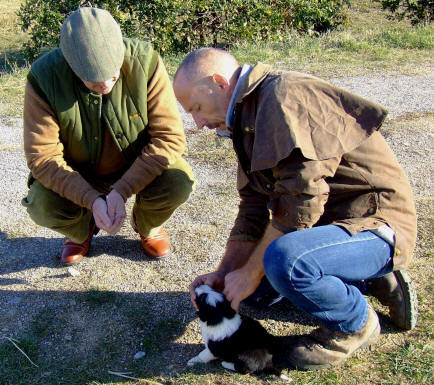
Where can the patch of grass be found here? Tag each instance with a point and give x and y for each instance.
(13, 364)
(372, 42)
(12, 92)
(45, 323)
(11, 36)
(98, 296)
(412, 363)
(159, 334)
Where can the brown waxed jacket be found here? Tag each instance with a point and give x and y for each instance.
(312, 154)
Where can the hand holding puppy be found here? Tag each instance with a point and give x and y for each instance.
(216, 280)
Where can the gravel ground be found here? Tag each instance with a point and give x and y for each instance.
(31, 278)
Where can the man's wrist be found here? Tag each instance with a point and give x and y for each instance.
(222, 272)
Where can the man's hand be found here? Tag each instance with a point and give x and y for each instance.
(116, 211)
(215, 279)
(109, 214)
(239, 284)
(99, 211)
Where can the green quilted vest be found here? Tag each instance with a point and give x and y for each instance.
(80, 112)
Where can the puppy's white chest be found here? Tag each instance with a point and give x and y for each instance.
(220, 331)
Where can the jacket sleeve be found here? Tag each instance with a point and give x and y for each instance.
(44, 153)
(167, 142)
(253, 216)
(302, 191)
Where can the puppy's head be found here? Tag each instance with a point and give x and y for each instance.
(213, 306)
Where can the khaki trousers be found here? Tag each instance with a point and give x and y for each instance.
(153, 206)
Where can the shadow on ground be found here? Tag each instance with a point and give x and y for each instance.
(77, 337)
(24, 253)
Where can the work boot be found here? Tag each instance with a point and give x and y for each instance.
(396, 291)
(155, 246)
(73, 252)
(324, 348)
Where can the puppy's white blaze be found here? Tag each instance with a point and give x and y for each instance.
(213, 296)
(222, 330)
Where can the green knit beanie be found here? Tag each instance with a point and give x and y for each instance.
(91, 42)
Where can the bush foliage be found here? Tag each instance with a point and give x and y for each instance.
(418, 11)
(181, 25)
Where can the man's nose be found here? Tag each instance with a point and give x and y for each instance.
(107, 83)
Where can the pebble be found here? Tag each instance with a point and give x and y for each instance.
(68, 337)
(139, 355)
(73, 272)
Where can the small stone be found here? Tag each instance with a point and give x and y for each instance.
(139, 355)
(285, 378)
(73, 272)
(68, 337)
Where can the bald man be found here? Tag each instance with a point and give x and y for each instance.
(324, 203)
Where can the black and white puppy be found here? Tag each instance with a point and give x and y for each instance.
(240, 341)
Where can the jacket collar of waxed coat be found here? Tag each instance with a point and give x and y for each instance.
(288, 110)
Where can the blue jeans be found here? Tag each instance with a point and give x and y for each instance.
(316, 270)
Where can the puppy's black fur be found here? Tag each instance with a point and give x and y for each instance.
(232, 337)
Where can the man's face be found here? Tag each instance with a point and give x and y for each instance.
(206, 100)
(102, 88)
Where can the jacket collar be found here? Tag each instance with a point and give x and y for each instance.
(250, 77)
(255, 76)
(230, 115)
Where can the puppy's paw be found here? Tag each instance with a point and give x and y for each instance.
(229, 365)
(193, 361)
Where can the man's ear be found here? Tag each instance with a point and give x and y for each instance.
(220, 80)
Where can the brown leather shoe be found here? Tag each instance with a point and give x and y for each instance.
(73, 252)
(396, 291)
(324, 348)
(157, 246)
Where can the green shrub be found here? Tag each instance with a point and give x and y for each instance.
(418, 11)
(181, 25)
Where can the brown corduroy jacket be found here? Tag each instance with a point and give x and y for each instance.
(311, 153)
(44, 149)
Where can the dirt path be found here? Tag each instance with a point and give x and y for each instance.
(121, 302)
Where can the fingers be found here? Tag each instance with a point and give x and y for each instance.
(197, 282)
(238, 286)
(99, 210)
(116, 211)
(109, 214)
(235, 304)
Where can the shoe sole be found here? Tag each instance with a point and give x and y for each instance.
(71, 263)
(157, 258)
(372, 338)
(410, 300)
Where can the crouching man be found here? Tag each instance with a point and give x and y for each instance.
(101, 124)
(324, 203)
